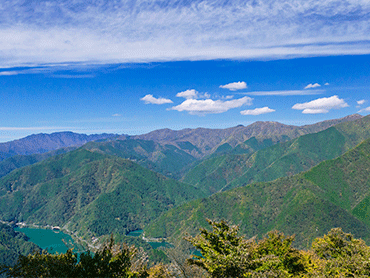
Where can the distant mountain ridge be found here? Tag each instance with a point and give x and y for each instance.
(204, 140)
(207, 140)
(228, 170)
(166, 151)
(41, 143)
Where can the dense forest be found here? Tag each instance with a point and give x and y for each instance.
(223, 253)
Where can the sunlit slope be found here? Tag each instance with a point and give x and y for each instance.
(18, 161)
(168, 160)
(89, 192)
(285, 159)
(334, 193)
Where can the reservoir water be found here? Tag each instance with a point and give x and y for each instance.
(57, 241)
(49, 239)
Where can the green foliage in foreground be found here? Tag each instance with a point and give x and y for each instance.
(224, 254)
(112, 260)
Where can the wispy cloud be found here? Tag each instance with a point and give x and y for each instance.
(8, 73)
(310, 86)
(235, 86)
(321, 105)
(367, 109)
(209, 106)
(286, 93)
(257, 111)
(149, 99)
(69, 76)
(100, 32)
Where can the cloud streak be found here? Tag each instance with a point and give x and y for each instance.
(367, 109)
(286, 93)
(321, 105)
(44, 32)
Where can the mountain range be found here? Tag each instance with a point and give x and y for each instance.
(263, 176)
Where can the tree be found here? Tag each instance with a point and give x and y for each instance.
(111, 260)
(225, 254)
(344, 256)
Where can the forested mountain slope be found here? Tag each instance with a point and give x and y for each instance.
(13, 244)
(89, 192)
(168, 160)
(284, 159)
(335, 193)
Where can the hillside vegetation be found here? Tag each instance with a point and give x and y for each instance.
(283, 159)
(89, 192)
(168, 160)
(334, 193)
(13, 244)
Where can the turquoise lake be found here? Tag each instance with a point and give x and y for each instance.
(49, 239)
(54, 241)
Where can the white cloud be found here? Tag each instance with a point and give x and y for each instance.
(192, 94)
(235, 86)
(310, 86)
(188, 94)
(326, 84)
(286, 93)
(149, 99)
(321, 105)
(257, 111)
(367, 109)
(360, 102)
(209, 106)
(35, 33)
(116, 115)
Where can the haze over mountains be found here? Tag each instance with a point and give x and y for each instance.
(168, 182)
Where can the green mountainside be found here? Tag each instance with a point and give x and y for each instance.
(18, 161)
(168, 160)
(335, 193)
(89, 192)
(283, 159)
(13, 244)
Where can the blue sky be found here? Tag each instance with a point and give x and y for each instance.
(135, 66)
